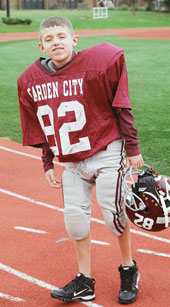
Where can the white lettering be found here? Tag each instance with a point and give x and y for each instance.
(49, 90)
(80, 82)
(34, 94)
(29, 91)
(55, 89)
(74, 82)
(44, 89)
(70, 89)
(65, 92)
(39, 93)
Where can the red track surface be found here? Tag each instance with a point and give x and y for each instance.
(50, 257)
(147, 33)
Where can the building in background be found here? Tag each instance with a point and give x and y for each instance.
(48, 4)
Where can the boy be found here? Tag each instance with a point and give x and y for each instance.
(76, 107)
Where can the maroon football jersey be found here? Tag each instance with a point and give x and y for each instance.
(71, 108)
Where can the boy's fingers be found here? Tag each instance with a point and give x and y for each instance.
(52, 181)
(56, 184)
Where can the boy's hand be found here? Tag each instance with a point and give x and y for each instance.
(135, 161)
(52, 180)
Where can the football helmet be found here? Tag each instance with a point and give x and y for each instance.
(147, 198)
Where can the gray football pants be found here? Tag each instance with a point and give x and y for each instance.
(105, 170)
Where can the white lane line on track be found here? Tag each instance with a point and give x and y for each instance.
(92, 241)
(145, 251)
(44, 232)
(40, 203)
(148, 235)
(99, 242)
(30, 229)
(140, 233)
(26, 154)
(37, 282)
(11, 298)
(31, 200)
(26, 277)
(97, 221)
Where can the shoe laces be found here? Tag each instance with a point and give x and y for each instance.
(72, 284)
(127, 279)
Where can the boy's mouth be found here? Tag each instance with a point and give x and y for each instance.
(58, 51)
(57, 48)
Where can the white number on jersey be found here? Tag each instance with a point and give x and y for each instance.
(77, 125)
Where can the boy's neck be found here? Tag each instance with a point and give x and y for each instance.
(48, 63)
(57, 68)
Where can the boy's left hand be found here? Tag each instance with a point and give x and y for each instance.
(52, 180)
(135, 161)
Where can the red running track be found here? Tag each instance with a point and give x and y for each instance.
(142, 33)
(37, 254)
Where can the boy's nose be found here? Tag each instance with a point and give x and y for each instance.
(56, 41)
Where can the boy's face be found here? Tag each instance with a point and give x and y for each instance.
(57, 42)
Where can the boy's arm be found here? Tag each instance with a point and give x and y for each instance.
(129, 133)
(47, 159)
(32, 133)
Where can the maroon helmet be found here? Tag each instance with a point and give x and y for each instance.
(147, 199)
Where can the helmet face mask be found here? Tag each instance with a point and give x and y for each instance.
(147, 199)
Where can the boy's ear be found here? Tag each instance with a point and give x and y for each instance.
(75, 40)
(40, 45)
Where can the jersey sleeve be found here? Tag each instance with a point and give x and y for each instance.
(128, 132)
(32, 133)
(47, 157)
(120, 103)
(118, 82)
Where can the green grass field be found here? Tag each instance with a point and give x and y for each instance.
(82, 19)
(149, 79)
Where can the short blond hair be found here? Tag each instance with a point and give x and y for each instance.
(56, 21)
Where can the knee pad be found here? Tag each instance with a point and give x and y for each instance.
(115, 222)
(77, 223)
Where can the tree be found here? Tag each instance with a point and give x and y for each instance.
(133, 2)
(167, 3)
(8, 8)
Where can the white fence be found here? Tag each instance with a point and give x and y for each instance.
(100, 12)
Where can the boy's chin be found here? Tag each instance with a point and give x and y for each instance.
(60, 61)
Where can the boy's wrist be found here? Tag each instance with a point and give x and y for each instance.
(132, 150)
(48, 167)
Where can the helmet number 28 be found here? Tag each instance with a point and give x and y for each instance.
(143, 222)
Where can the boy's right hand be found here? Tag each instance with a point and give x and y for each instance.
(52, 180)
(135, 161)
